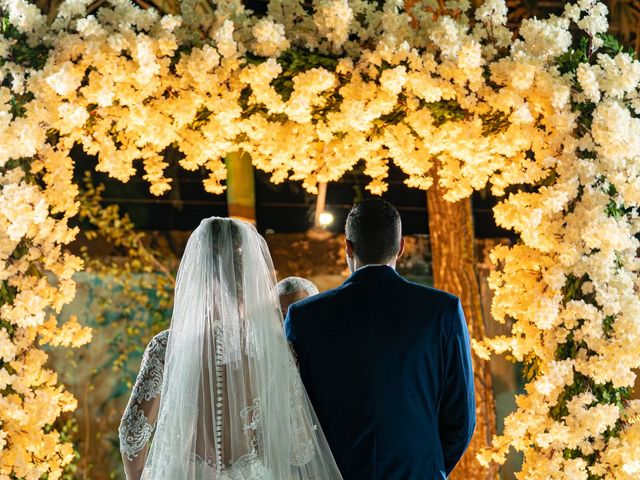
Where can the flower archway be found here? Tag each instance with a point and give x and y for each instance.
(547, 117)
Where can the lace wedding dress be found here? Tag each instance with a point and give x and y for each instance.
(218, 395)
(139, 419)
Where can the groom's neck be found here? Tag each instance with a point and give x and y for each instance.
(357, 265)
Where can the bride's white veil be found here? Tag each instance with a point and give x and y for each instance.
(232, 404)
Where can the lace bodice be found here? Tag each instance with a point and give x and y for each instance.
(139, 419)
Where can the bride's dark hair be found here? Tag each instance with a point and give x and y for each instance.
(221, 229)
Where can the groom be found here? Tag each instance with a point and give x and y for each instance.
(386, 362)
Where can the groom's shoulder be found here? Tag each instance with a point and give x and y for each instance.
(303, 314)
(430, 295)
(320, 304)
(430, 292)
(314, 301)
(409, 293)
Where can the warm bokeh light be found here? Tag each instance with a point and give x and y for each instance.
(325, 219)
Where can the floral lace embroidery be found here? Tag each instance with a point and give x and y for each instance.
(134, 432)
(252, 419)
(149, 383)
(251, 416)
(247, 467)
(135, 429)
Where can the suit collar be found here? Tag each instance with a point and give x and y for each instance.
(373, 272)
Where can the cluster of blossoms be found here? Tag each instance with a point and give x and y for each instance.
(36, 277)
(309, 91)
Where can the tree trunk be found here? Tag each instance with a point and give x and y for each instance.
(241, 191)
(454, 270)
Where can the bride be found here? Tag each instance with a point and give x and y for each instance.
(219, 391)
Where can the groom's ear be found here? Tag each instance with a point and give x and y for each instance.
(348, 246)
(401, 250)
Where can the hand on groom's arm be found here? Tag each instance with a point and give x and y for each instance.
(457, 416)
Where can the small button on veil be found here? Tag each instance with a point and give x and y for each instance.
(232, 404)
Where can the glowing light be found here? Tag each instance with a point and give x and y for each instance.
(325, 219)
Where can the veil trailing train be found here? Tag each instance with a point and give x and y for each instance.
(232, 405)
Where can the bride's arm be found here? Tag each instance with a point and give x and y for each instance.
(139, 418)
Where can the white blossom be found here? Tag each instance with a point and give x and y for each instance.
(270, 38)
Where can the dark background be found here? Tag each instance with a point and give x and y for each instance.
(283, 208)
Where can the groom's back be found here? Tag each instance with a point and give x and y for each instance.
(385, 366)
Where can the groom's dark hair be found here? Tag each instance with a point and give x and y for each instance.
(375, 231)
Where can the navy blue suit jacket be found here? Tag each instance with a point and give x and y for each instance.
(387, 366)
